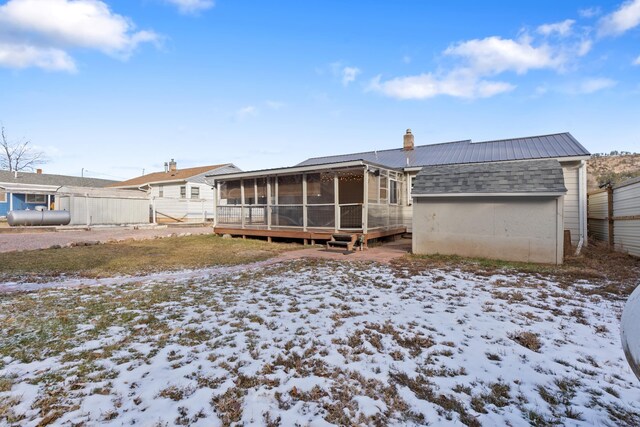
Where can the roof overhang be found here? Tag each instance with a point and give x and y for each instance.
(297, 169)
(28, 188)
(454, 195)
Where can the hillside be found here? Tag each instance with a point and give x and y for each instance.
(615, 169)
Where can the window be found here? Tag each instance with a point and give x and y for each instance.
(393, 192)
(195, 192)
(161, 191)
(183, 192)
(3, 197)
(384, 187)
(374, 186)
(36, 198)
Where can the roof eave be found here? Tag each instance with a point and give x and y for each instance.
(519, 194)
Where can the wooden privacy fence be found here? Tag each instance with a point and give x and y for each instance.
(614, 216)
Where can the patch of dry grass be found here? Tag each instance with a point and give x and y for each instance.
(137, 257)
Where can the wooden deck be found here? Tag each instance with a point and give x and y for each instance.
(309, 235)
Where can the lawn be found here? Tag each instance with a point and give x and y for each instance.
(136, 257)
(318, 343)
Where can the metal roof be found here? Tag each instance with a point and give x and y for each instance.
(534, 147)
(50, 179)
(530, 177)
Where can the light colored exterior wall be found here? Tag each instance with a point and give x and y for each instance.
(572, 200)
(172, 207)
(597, 214)
(626, 232)
(527, 229)
(104, 211)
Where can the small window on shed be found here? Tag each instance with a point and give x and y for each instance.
(183, 192)
(161, 191)
(36, 198)
(195, 192)
(3, 197)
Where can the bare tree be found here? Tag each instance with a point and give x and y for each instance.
(18, 155)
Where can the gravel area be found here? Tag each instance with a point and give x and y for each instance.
(30, 241)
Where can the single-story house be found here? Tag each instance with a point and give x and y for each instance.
(370, 192)
(27, 190)
(179, 195)
(511, 211)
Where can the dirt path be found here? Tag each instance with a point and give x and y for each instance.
(31, 241)
(384, 254)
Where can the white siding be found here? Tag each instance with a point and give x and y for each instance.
(597, 213)
(172, 207)
(572, 200)
(626, 232)
(105, 211)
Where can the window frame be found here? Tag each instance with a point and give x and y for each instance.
(191, 193)
(183, 191)
(36, 202)
(160, 190)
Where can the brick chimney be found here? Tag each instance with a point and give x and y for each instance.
(39, 171)
(408, 141)
(173, 166)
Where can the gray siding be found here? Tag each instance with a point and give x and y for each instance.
(105, 211)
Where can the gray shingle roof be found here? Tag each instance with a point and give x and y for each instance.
(533, 147)
(531, 176)
(49, 179)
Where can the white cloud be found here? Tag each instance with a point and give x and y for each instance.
(245, 112)
(562, 28)
(592, 85)
(459, 84)
(494, 55)
(25, 56)
(275, 105)
(637, 61)
(589, 12)
(626, 17)
(192, 6)
(46, 29)
(349, 75)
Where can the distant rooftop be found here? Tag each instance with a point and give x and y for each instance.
(178, 175)
(33, 178)
(533, 147)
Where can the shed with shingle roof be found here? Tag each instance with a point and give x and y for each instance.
(503, 210)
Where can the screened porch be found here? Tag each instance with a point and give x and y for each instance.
(357, 198)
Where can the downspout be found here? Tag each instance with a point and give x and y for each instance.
(582, 191)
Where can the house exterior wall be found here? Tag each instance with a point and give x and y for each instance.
(572, 200)
(19, 203)
(527, 229)
(171, 207)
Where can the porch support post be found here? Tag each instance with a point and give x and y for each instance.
(242, 201)
(304, 202)
(365, 200)
(269, 189)
(153, 210)
(48, 202)
(336, 200)
(10, 202)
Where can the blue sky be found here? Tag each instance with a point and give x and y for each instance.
(116, 87)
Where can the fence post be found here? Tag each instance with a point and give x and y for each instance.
(610, 215)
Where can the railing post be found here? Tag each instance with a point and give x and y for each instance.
(242, 202)
(304, 202)
(336, 201)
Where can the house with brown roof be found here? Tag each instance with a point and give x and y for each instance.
(179, 195)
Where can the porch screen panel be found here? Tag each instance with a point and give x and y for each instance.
(384, 190)
(322, 216)
(374, 190)
(230, 193)
(320, 188)
(290, 190)
(249, 192)
(351, 187)
(261, 184)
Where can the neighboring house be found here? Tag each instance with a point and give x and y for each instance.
(179, 195)
(26, 190)
(368, 191)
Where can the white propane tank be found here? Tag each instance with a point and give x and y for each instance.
(631, 331)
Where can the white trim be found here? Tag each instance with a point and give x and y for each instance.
(540, 194)
(582, 200)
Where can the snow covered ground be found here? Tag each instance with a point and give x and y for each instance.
(316, 343)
